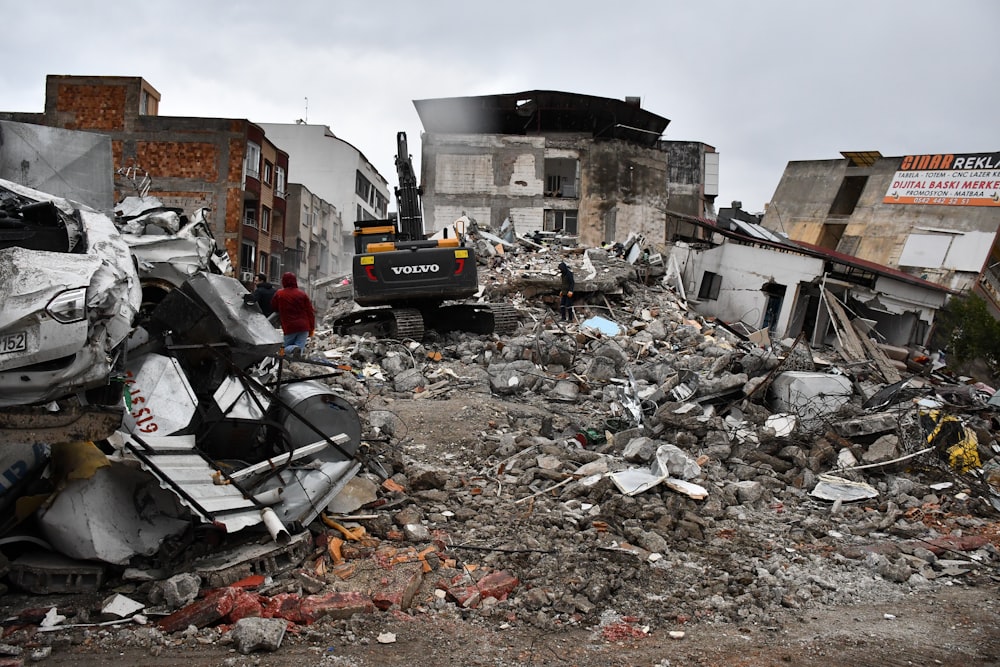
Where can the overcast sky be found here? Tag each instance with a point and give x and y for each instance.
(765, 82)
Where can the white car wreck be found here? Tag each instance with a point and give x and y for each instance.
(70, 294)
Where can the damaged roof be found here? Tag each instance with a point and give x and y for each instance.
(538, 111)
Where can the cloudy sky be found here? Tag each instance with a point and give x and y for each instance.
(764, 82)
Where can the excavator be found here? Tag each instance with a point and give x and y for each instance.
(406, 283)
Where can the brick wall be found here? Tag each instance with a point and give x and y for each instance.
(172, 159)
(93, 107)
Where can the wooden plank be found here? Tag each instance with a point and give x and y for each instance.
(851, 345)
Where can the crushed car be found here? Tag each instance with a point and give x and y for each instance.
(71, 292)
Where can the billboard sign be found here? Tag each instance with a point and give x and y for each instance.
(961, 179)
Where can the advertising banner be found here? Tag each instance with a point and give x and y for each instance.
(962, 179)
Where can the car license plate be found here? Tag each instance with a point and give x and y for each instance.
(14, 342)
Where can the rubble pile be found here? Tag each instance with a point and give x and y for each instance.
(639, 462)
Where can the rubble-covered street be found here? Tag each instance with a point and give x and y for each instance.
(640, 486)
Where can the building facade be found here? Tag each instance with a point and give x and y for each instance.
(590, 167)
(741, 273)
(932, 216)
(226, 165)
(314, 237)
(338, 173)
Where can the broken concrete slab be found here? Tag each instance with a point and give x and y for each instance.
(810, 395)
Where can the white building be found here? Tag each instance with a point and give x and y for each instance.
(336, 172)
(740, 272)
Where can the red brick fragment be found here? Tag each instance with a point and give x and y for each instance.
(212, 608)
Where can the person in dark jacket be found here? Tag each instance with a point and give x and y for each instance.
(263, 292)
(566, 288)
(298, 318)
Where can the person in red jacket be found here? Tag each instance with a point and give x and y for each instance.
(297, 315)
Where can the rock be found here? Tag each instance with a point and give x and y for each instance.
(409, 380)
(258, 634)
(884, 449)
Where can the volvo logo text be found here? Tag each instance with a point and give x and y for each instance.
(416, 268)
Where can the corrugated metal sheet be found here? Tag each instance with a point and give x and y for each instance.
(181, 468)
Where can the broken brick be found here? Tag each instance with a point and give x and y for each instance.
(212, 608)
(336, 605)
(496, 585)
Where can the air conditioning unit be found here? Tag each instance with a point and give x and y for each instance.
(246, 276)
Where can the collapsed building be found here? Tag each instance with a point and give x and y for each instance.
(743, 273)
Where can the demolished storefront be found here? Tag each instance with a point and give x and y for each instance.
(745, 274)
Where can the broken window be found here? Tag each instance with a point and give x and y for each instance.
(252, 165)
(848, 195)
(772, 310)
(711, 283)
(560, 178)
(560, 221)
(831, 235)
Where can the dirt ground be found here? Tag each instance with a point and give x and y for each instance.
(955, 627)
(952, 624)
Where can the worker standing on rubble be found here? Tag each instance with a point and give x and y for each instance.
(298, 317)
(566, 292)
(263, 292)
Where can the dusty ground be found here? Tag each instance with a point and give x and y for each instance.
(950, 623)
(955, 627)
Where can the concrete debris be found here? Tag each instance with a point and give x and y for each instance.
(563, 474)
(258, 634)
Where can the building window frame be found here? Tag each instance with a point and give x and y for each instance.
(279, 182)
(247, 256)
(252, 162)
(711, 285)
(268, 172)
(265, 219)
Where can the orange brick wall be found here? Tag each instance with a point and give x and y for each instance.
(237, 148)
(179, 159)
(95, 107)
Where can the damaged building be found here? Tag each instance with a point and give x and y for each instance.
(744, 273)
(931, 216)
(562, 163)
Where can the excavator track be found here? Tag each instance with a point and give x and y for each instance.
(382, 323)
(478, 318)
(505, 318)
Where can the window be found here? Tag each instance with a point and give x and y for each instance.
(250, 217)
(362, 186)
(381, 205)
(848, 195)
(263, 264)
(252, 165)
(560, 177)
(560, 221)
(275, 266)
(710, 285)
(265, 219)
(307, 217)
(279, 182)
(268, 172)
(247, 251)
